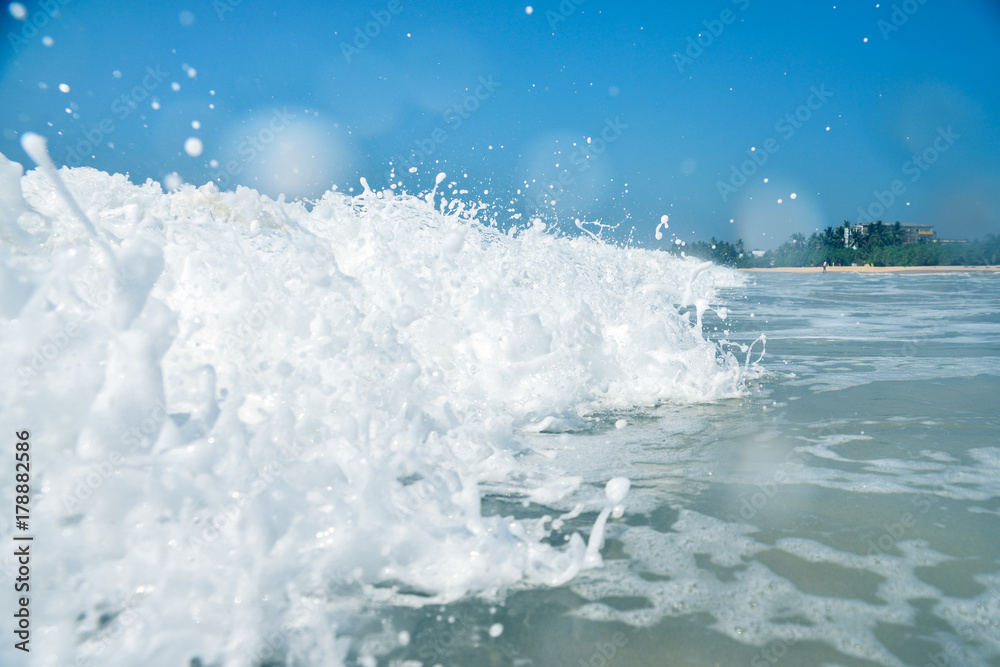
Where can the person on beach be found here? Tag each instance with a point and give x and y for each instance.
(824, 267)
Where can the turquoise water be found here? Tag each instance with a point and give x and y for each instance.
(845, 512)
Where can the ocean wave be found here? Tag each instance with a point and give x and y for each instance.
(252, 416)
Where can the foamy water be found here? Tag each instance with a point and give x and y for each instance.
(254, 422)
(842, 511)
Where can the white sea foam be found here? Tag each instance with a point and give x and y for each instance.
(252, 416)
(753, 604)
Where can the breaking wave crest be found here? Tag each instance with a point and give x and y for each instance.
(251, 416)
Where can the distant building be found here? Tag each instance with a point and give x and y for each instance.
(912, 232)
(758, 253)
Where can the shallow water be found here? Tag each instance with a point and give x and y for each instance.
(378, 429)
(845, 512)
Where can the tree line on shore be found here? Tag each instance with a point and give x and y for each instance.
(877, 244)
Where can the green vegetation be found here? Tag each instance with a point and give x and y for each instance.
(878, 245)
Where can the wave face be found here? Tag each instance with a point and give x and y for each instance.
(251, 418)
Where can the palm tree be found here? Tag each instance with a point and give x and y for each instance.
(833, 238)
(874, 236)
(895, 234)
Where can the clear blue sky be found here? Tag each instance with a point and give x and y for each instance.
(502, 97)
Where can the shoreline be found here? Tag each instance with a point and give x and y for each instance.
(874, 269)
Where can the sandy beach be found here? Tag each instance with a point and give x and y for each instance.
(874, 269)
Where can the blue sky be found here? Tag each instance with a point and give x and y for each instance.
(688, 107)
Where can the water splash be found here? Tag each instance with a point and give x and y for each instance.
(297, 407)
